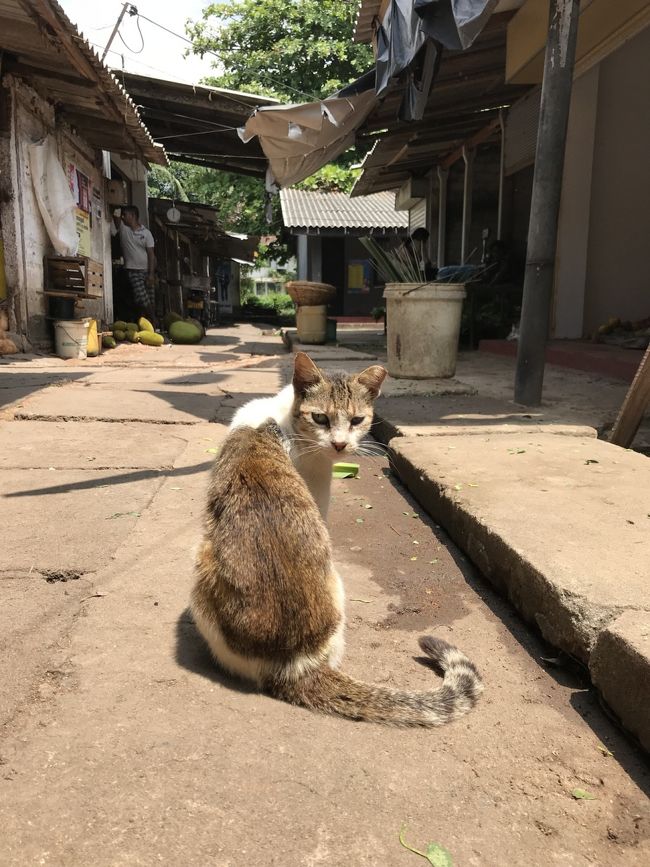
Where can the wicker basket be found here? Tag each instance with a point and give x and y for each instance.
(307, 294)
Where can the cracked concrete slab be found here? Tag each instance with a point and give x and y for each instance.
(556, 522)
(36, 620)
(620, 668)
(88, 445)
(71, 519)
(445, 415)
(161, 404)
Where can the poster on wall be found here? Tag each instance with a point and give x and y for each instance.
(83, 231)
(80, 187)
(359, 276)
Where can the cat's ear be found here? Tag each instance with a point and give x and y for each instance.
(371, 379)
(305, 373)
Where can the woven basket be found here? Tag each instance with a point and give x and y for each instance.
(307, 294)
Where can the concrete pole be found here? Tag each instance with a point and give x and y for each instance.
(545, 204)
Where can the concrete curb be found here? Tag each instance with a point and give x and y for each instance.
(567, 587)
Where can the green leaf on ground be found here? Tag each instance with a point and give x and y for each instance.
(212, 451)
(604, 750)
(123, 515)
(359, 520)
(436, 854)
(583, 795)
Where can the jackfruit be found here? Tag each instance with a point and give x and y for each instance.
(132, 336)
(172, 317)
(119, 334)
(118, 326)
(145, 325)
(108, 342)
(185, 332)
(150, 338)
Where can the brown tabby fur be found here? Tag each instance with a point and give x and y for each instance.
(270, 605)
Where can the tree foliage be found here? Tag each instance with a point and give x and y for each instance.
(294, 50)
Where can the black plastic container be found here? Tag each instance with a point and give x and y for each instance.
(60, 308)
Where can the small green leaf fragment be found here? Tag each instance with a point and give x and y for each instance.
(582, 795)
(439, 856)
(367, 506)
(212, 451)
(359, 520)
(436, 854)
(604, 750)
(458, 487)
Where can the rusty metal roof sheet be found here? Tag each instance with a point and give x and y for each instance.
(42, 46)
(198, 124)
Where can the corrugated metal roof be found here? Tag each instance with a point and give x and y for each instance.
(198, 124)
(41, 45)
(307, 209)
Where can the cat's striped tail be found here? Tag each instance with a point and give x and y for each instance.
(332, 692)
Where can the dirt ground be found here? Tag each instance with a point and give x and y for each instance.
(128, 747)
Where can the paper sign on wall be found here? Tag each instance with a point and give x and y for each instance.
(82, 219)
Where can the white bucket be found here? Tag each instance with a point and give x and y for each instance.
(311, 323)
(423, 328)
(71, 338)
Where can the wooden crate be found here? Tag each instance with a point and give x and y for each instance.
(78, 275)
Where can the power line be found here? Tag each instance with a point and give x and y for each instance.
(214, 54)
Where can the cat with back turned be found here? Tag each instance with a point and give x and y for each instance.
(324, 418)
(267, 598)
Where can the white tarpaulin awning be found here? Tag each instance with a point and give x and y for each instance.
(298, 139)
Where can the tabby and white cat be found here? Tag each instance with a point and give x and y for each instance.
(267, 599)
(323, 416)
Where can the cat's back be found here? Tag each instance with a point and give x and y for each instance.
(265, 573)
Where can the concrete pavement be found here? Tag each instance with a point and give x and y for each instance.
(121, 744)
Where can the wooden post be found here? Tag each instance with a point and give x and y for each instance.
(637, 400)
(545, 204)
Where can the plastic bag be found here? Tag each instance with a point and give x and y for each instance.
(55, 201)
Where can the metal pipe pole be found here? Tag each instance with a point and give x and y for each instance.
(120, 17)
(502, 172)
(443, 175)
(545, 203)
(468, 185)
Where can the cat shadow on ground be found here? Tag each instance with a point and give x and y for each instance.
(193, 655)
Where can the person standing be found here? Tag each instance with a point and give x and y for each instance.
(139, 259)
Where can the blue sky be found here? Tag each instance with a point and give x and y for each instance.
(162, 55)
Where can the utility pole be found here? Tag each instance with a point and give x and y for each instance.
(545, 205)
(126, 7)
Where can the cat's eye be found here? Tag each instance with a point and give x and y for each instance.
(320, 418)
(357, 419)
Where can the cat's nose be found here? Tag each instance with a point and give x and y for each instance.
(339, 446)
